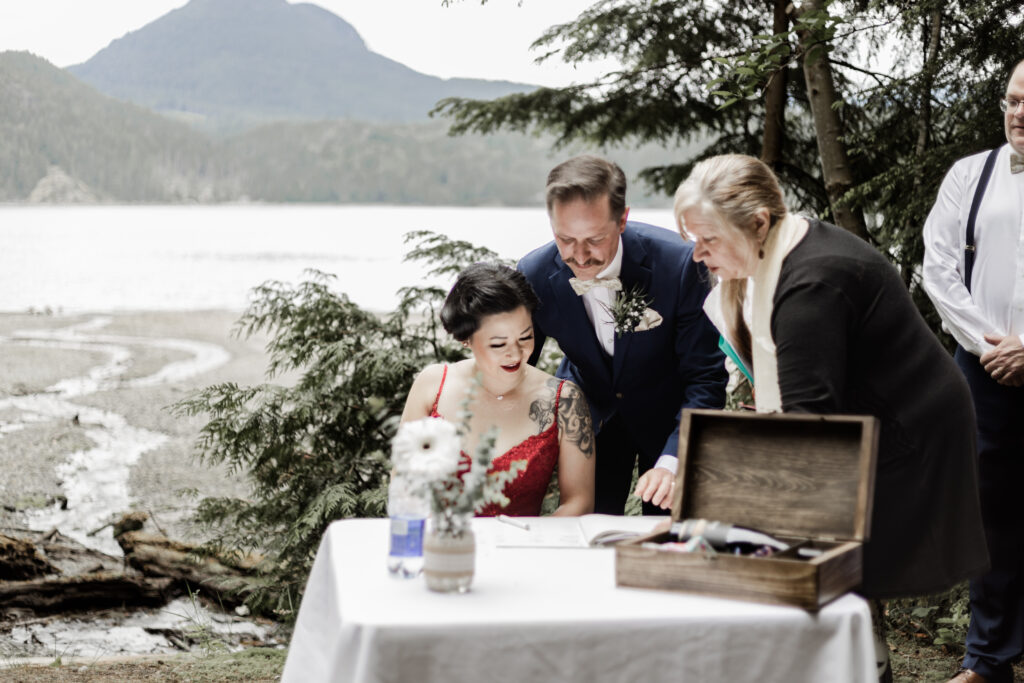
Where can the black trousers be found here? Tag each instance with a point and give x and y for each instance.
(616, 455)
(995, 637)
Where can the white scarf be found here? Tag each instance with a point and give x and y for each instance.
(781, 240)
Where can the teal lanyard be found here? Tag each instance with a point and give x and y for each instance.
(731, 352)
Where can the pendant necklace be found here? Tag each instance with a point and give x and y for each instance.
(497, 397)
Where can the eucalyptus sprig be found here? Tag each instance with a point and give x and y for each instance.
(455, 497)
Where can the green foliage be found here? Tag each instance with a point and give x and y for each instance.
(907, 118)
(699, 71)
(550, 356)
(201, 628)
(941, 619)
(123, 153)
(739, 393)
(456, 494)
(669, 51)
(316, 449)
(627, 311)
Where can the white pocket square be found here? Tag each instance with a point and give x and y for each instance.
(650, 320)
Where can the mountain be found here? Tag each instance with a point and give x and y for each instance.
(65, 141)
(231, 64)
(61, 141)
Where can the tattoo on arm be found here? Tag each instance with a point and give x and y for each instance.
(542, 410)
(574, 420)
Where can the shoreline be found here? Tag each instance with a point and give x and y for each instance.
(86, 435)
(41, 360)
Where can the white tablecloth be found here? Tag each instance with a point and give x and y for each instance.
(552, 614)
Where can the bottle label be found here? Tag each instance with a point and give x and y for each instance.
(407, 536)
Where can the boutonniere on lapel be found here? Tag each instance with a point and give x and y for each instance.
(631, 312)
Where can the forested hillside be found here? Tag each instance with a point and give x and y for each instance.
(119, 151)
(62, 141)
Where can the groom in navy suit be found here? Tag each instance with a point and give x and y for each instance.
(636, 381)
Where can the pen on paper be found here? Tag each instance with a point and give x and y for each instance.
(508, 520)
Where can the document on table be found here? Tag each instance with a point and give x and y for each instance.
(571, 532)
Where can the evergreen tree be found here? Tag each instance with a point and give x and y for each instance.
(859, 106)
(316, 449)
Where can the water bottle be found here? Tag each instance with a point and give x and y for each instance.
(408, 514)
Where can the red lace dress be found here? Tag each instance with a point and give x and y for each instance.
(525, 492)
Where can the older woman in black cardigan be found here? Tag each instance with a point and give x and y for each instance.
(829, 327)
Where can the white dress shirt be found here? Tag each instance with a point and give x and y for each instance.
(996, 301)
(598, 302)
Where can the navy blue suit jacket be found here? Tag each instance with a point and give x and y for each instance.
(654, 374)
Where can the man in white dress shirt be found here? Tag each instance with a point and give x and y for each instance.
(982, 305)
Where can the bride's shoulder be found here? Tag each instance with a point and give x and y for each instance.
(431, 375)
(458, 373)
(569, 394)
(569, 390)
(431, 371)
(548, 385)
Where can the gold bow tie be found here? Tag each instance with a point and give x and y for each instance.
(1016, 163)
(583, 286)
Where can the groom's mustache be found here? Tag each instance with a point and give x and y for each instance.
(589, 263)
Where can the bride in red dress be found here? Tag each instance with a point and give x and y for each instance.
(539, 418)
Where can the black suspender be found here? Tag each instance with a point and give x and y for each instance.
(986, 173)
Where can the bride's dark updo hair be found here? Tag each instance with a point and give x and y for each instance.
(481, 290)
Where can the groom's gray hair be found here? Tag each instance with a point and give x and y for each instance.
(588, 177)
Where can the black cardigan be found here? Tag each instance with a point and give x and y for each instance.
(849, 340)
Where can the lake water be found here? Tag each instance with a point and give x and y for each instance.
(111, 258)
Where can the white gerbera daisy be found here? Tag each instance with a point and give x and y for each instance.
(427, 448)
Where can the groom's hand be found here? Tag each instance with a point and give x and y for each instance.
(655, 486)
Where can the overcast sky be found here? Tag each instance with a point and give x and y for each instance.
(465, 39)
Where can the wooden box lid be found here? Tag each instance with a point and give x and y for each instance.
(786, 474)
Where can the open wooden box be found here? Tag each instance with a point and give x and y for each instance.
(808, 480)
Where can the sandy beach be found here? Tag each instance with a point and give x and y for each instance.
(119, 359)
(86, 434)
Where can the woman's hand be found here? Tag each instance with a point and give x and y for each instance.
(656, 486)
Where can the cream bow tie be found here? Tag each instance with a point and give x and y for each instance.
(1016, 163)
(583, 286)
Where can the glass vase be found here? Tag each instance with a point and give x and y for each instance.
(449, 560)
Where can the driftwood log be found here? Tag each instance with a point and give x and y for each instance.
(156, 555)
(89, 591)
(21, 560)
(50, 573)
